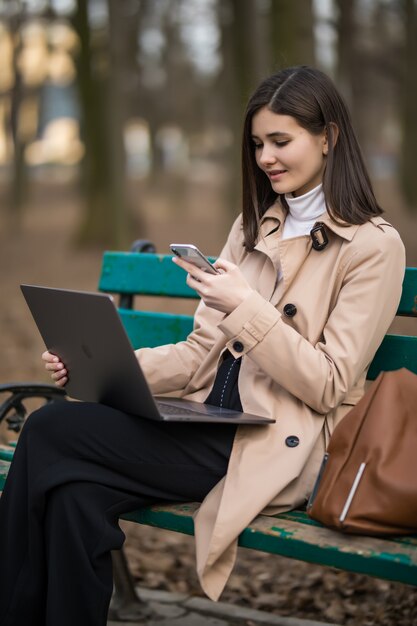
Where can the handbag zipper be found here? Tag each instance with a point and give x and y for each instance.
(352, 492)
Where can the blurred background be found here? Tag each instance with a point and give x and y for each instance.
(119, 102)
(121, 119)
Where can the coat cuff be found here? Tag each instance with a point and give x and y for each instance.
(248, 324)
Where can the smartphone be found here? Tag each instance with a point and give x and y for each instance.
(193, 255)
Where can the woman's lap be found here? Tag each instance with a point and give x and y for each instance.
(99, 443)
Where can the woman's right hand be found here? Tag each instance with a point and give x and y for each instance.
(56, 367)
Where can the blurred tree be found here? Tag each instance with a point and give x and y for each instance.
(19, 178)
(249, 48)
(257, 39)
(356, 68)
(30, 67)
(101, 80)
(409, 105)
(244, 49)
(346, 58)
(292, 33)
(175, 94)
(121, 19)
(173, 102)
(149, 100)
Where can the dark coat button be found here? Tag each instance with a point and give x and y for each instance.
(292, 441)
(319, 236)
(238, 346)
(290, 310)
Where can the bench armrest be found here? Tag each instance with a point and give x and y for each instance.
(18, 392)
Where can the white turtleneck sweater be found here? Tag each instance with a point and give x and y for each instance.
(303, 212)
(302, 215)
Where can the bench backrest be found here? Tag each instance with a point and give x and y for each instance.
(132, 274)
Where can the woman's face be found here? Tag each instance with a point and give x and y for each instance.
(291, 157)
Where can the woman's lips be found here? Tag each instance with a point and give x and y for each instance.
(276, 174)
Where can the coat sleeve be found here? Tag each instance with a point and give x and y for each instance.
(169, 367)
(321, 375)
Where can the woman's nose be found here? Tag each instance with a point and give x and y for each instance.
(267, 156)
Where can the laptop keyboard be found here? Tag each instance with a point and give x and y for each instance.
(169, 409)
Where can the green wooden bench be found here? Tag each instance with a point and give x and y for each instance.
(291, 534)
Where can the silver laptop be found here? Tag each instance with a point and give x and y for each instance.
(85, 330)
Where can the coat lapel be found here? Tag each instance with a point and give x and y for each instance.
(289, 255)
(293, 254)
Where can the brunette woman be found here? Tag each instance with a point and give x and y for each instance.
(310, 280)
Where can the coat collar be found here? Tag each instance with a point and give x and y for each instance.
(275, 216)
(290, 254)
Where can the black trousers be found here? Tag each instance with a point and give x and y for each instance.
(76, 468)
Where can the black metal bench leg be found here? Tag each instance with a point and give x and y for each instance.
(126, 606)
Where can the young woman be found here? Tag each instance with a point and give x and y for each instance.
(310, 280)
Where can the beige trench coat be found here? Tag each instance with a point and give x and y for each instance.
(306, 371)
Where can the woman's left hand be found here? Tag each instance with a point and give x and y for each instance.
(223, 291)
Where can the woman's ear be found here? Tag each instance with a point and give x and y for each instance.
(331, 134)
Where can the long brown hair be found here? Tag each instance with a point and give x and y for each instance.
(309, 96)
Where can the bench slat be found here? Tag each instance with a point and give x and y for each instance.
(6, 453)
(148, 329)
(155, 274)
(408, 302)
(4, 468)
(303, 518)
(144, 274)
(291, 537)
(395, 351)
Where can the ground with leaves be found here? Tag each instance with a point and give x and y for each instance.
(41, 251)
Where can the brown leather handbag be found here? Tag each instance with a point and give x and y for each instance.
(368, 480)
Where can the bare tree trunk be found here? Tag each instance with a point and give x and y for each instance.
(19, 179)
(356, 75)
(245, 54)
(292, 34)
(249, 45)
(96, 219)
(118, 81)
(409, 100)
(18, 187)
(346, 44)
(106, 218)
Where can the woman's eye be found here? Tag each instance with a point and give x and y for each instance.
(281, 144)
(257, 145)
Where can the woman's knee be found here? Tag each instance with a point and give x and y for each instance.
(71, 426)
(40, 418)
(51, 417)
